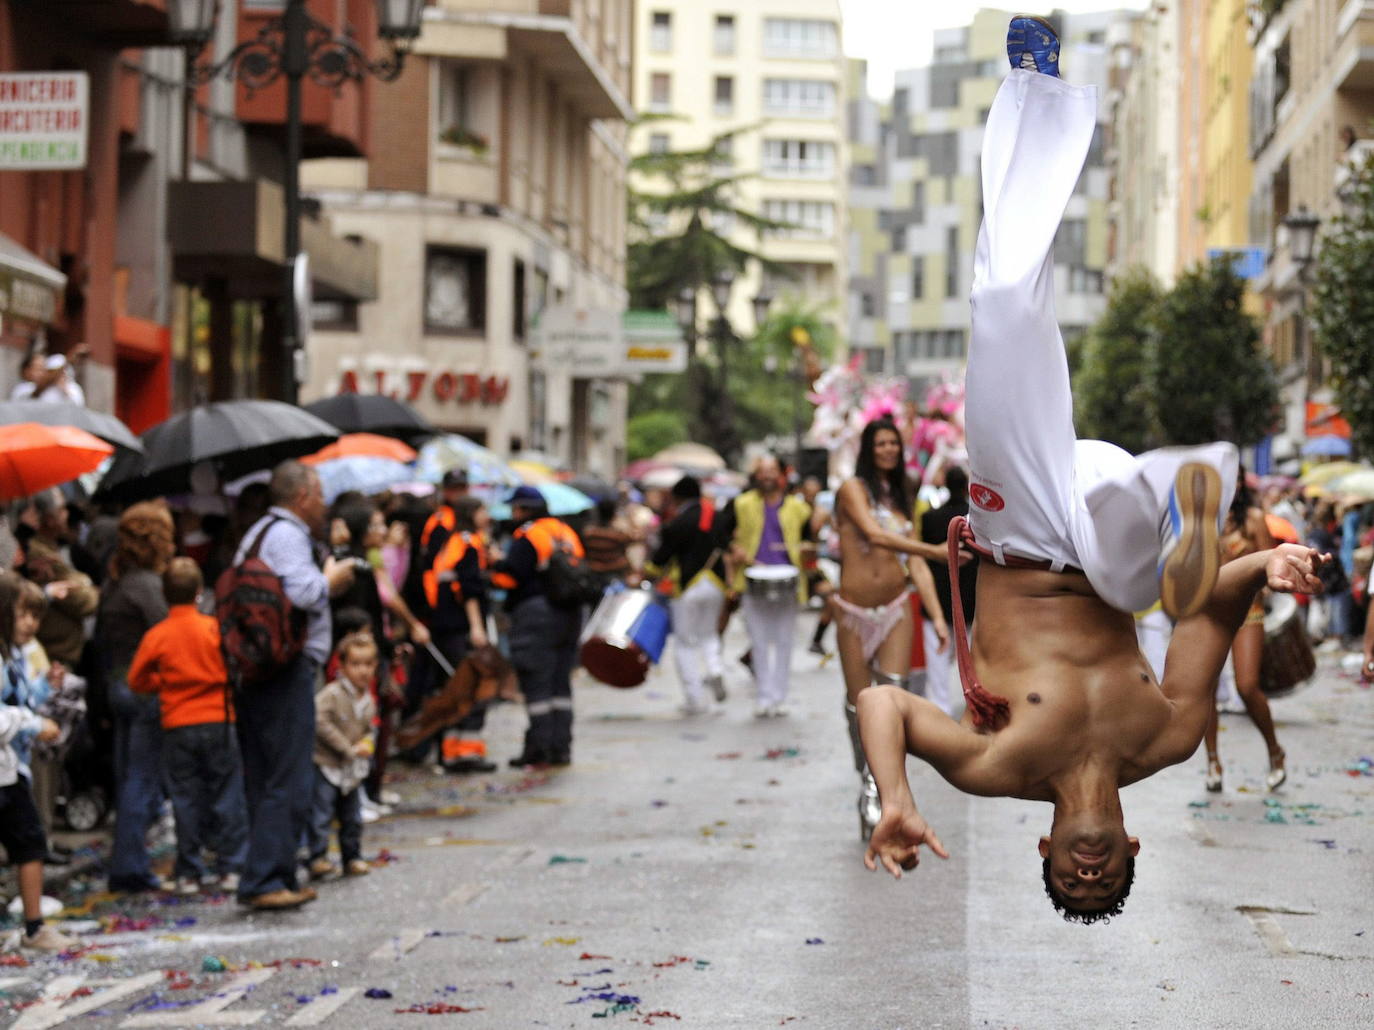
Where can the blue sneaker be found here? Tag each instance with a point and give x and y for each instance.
(1033, 44)
(1190, 552)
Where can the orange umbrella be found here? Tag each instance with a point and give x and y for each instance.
(35, 457)
(363, 445)
(1282, 530)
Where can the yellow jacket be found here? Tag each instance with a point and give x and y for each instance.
(793, 515)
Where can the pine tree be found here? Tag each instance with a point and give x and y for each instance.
(1110, 395)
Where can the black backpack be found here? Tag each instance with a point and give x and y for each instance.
(261, 632)
(569, 583)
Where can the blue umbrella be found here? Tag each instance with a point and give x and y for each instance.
(368, 475)
(484, 467)
(1326, 447)
(561, 499)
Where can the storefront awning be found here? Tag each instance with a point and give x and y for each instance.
(30, 288)
(232, 230)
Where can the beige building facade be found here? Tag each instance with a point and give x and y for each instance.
(774, 69)
(495, 192)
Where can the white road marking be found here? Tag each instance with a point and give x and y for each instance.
(464, 893)
(316, 1011)
(54, 1008)
(398, 945)
(210, 1011)
(1269, 931)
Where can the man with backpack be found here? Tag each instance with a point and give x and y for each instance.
(276, 695)
(546, 584)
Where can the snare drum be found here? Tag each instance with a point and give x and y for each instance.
(772, 584)
(1288, 660)
(625, 635)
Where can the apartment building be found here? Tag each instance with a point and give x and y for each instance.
(1311, 108)
(772, 68)
(916, 201)
(496, 195)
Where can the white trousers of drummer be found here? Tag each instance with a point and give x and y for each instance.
(1035, 490)
(696, 642)
(772, 626)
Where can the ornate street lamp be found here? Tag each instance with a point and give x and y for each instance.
(1302, 235)
(294, 45)
(763, 300)
(721, 284)
(685, 310)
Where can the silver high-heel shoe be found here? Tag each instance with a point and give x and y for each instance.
(870, 806)
(1277, 773)
(1213, 776)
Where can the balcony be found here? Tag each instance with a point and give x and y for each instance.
(1353, 58)
(1351, 162)
(119, 23)
(465, 172)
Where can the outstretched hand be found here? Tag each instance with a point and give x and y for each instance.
(897, 840)
(1292, 569)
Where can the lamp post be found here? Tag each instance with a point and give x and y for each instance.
(293, 45)
(1302, 228)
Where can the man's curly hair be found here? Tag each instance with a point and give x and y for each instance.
(1094, 915)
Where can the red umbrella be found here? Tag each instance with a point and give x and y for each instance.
(34, 457)
(1282, 530)
(363, 445)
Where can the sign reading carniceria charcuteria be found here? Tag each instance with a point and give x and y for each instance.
(43, 120)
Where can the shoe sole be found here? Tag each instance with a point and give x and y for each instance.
(1190, 571)
(1052, 31)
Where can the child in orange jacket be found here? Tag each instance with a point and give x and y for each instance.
(179, 659)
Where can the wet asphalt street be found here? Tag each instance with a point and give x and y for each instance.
(706, 872)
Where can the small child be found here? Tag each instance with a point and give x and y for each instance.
(21, 831)
(344, 710)
(180, 660)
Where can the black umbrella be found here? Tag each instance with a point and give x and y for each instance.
(594, 487)
(373, 413)
(236, 437)
(63, 413)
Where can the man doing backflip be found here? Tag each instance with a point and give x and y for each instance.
(1077, 535)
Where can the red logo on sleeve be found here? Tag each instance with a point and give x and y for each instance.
(986, 497)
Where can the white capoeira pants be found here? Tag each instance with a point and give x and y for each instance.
(771, 626)
(937, 667)
(1036, 491)
(696, 642)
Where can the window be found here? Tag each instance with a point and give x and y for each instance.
(1071, 241)
(723, 155)
(918, 277)
(1283, 70)
(725, 94)
(723, 39)
(800, 37)
(805, 218)
(875, 360)
(454, 90)
(1084, 280)
(339, 315)
(864, 175)
(660, 91)
(661, 32)
(808, 98)
(658, 143)
(455, 290)
(519, 301)
(722, 223)
(951, 261)
(868, 307)
(799, 158)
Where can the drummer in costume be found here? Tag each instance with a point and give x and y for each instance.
(765, 526)
(543, 636)
(456, 591)
(691, 546)
(1245, 533)
(880, 559)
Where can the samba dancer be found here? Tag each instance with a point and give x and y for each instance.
(1084, 714)
(1245, 533)
(765, 526)
(880, 560)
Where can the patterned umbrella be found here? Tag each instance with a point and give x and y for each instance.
(484, 467)
(366, 474)
(561, 499)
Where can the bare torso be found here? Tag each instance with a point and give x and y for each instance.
(870, 575)
(1079, 689)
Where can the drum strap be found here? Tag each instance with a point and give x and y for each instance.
(986, 708)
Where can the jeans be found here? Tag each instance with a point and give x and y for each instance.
(332, 803)
(277, 738)
(138, 794)
(543, 649)
(205, 778)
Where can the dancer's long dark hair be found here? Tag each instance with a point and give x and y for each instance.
(892, 484)
(1243, 500)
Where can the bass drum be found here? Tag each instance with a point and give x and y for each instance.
(1288, 659)
(624, 637)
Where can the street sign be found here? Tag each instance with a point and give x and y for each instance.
(1247, 262)
(43, 118)
(598, 343)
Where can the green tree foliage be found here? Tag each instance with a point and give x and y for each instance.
(1109, 389)
(1206, 376)
(651, 431)
(1343, 307)
(1176, 367)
